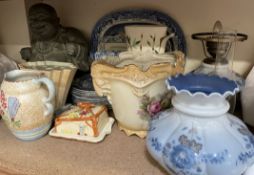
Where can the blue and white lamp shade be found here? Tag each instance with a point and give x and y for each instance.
(197, 136)
(202, 84)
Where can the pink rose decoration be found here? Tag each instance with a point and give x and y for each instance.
(154, 108)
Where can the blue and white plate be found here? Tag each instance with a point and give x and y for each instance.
(108, 38)
(83, 91)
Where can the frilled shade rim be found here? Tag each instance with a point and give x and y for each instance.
(202, 84)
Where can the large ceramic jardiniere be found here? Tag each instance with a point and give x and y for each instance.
(198, 136)
(61, 73)
(27, 103)
(135, 93)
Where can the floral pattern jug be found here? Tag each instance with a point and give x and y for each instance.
(197, 136)
(27, 103)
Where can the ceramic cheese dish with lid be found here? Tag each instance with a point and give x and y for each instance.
(84, 122)
(198, 136)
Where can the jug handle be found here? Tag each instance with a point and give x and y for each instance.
(51, 90)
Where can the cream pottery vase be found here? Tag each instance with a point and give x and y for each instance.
(26, 106)
(147, 38)
(61, 73)
(126, 87)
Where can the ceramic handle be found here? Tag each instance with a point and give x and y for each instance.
(102, 88)
(51, 90)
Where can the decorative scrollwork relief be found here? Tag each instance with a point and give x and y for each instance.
(103, 72)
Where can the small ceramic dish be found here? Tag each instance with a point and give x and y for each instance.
(84, 122)
(106, 130)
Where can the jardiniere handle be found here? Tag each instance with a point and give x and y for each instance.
(51, 89)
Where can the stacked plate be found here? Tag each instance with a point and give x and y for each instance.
(83, 91)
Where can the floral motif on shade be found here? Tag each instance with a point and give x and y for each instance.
(187, 156)
(249, 140)
(156, 144)
(215, 158)
(182, 157)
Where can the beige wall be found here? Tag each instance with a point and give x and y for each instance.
(192, 15)
(13, 30)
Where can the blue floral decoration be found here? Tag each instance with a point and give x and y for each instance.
(166, 150)
(156, 144)
(182, 157)
(244, 157)
(216, 158)
(249, 139)
(244, 131)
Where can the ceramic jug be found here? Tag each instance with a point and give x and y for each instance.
(198, 136)
(61, 73)
(135, 92)
(27, 103)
